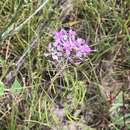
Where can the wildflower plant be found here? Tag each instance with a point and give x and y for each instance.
(68, 47)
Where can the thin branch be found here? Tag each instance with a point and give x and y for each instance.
(40, 28)
(11, 30)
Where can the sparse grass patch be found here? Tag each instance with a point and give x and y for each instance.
(64, 97)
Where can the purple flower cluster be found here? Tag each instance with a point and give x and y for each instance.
(68, 47)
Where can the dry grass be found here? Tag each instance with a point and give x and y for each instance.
(69, 97)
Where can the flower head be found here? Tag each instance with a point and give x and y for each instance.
(67, 46)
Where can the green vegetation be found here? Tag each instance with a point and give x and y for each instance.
(38, 95)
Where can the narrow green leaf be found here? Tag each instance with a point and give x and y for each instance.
(2, 88)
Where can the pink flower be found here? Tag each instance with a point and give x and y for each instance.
(69, 47)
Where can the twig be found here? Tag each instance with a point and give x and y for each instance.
(40, 28)
(123, 99)
(11, 75)
(13, 30)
